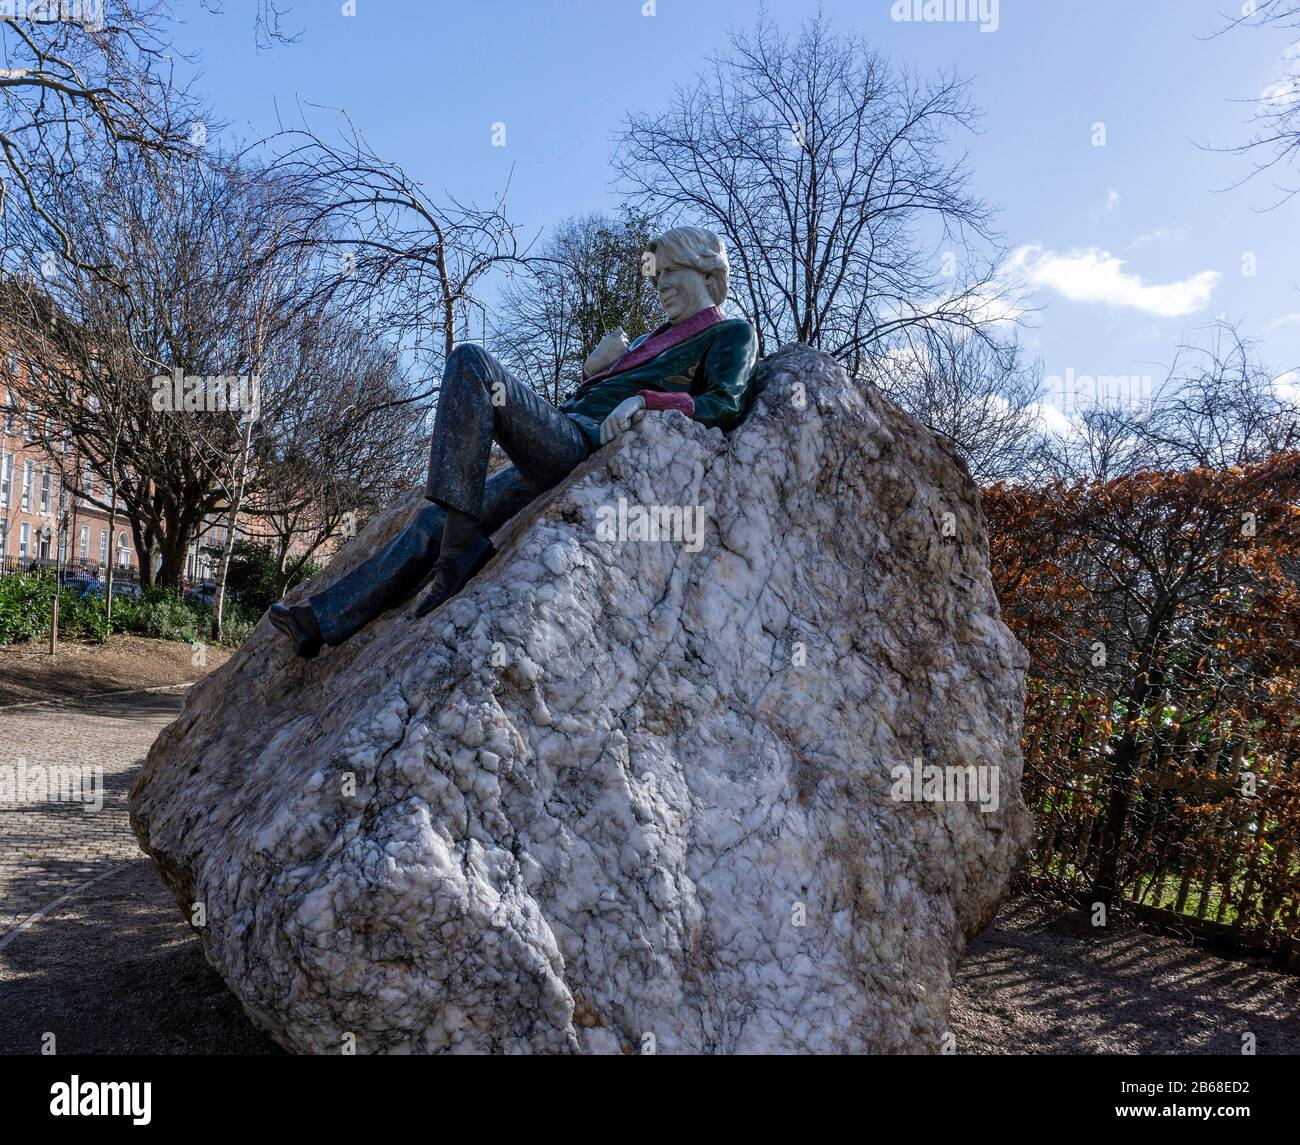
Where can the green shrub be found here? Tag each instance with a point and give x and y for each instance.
(126, 613)
(82, 616)
(236, 625)
(251, 576)
(24, 606)
(165, 616)
(159, 613)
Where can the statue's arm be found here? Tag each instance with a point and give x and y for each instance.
(727, 368)
(608, 351)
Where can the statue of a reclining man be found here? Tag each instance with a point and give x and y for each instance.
(699, 363)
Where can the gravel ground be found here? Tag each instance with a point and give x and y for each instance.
(107, 965)
(1042, 980)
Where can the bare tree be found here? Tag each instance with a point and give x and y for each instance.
(407, 266)
(833, 179)
(976, 392)
(585, 280)
(93, 79)
(271, 267)
(154, 343)
(343, 443)
(1274, 142)
(1217, 407)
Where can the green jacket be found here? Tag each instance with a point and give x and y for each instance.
(713, 368)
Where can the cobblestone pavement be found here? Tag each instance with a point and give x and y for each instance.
(48, 849)
(93, 951)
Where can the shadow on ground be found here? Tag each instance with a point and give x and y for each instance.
(116, 970)
(1043, 980)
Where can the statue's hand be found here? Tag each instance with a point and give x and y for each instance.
(610, 349)
(621, 418)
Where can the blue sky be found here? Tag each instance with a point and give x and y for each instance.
(1130, 248)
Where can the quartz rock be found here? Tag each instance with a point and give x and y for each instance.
(629, 793)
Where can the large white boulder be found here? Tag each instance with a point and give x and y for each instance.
(626, 794)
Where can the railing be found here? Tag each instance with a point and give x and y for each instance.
(1210, 842)
(49, 566)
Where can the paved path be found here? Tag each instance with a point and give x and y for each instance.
(48, 849)
(93, 950)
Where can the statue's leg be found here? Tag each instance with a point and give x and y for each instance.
(396, 570)
(481, 401)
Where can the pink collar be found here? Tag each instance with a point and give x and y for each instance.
(663, 338)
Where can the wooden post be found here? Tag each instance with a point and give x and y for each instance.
(54, 623)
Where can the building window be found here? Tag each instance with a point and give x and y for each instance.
(83, 547)
(103, 546)
(29, 476)
(45, 489)
(11, 414)
(24, 539)
(123, 550)
(4, 537)
(30, 429)
(6, 480)
(13, 365)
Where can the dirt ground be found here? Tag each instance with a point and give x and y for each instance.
(29, 673)
(1043, 980)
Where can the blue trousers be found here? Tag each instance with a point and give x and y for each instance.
(480, 402)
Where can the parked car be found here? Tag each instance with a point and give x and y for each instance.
(202, 594)
(83, 586)
(121, 588)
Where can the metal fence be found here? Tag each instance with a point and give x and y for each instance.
(1210, 844)
(48, 566)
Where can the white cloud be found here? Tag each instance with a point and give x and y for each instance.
(1285, 92)
(1052, 420)
(1285, 320)
(1112, 198)
(1094, 275)
(1287, 386)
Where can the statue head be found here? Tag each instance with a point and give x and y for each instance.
(689, 268)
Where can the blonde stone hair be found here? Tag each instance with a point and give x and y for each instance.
(697, 249)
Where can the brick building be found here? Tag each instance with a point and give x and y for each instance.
(46, 491)
(41, 519)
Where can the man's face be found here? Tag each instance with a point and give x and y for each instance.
(683, 291)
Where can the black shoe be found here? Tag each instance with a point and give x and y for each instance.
(453, 571)
(298, 623)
